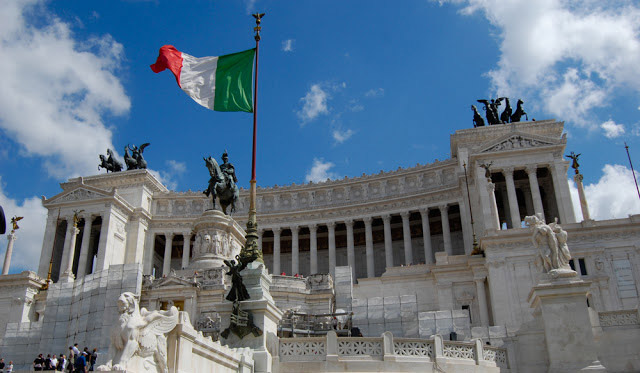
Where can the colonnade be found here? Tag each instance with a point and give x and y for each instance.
(369, 250)
(536, 203)
(63, 267)
(168, 250)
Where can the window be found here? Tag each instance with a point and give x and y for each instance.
(466, 307)
(583, 266)
(572, 265)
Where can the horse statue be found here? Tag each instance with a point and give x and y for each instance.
(491, 109)
(477, 118)
(110, 163)
(519, 113)
(131, 162)
(222, 185)
(505, 117)
(136, 153)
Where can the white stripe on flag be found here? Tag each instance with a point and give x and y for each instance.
(198, 78)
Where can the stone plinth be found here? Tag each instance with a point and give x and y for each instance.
(265, 315)
(218, 237)
(561, 302)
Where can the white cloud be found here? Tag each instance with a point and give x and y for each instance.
(314, 103)
(320, 171)
(341, 136)
(28, 245)
(374, 92)
(612, 130)
(56, 90)
(571, 55)
(168, 177)
(287, 45)
(613, 196)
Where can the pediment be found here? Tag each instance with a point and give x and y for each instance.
(515, 141)
(81, 193)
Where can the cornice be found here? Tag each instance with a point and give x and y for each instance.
(113, 180)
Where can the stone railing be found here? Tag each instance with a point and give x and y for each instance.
(388, 348)
(619, 318)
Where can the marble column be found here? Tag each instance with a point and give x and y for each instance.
(11, 237)
(84, 246)
(426, 235)
(388, 242)
(493, 205)
(313, 248)
(406, 234)
(71, 249)
(331, 226)
(482, 301)
(583, 199)
(276, 251)
(186, 249)
(513, 198)
(535, 190)
(446, 233)
(65, 247)
(295, 251)
(166, 264)
(104, 239)
(563, 195)
(351, 258)
(369, 246)
(150, 242)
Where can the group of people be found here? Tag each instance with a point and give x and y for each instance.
(4, 367)
(75, 362)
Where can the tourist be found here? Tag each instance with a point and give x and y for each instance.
(1, 365)
(38, 363)
(76, 352)
(62, 363)
(81, 363)
(47, 363)
(54, 362)
(94, 357)
(10, 367)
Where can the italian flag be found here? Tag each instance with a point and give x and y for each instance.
(218, 83)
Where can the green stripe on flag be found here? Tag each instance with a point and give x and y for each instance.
(233, 82)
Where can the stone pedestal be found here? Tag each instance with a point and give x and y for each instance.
(218, 237)
(265, 315)
(560, 300)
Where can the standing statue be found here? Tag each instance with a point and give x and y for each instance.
(477, 118)
(551, 242)
(505, 117)
(519, 112)
(238, 291)
(140, 333)
(575, 163)
(222, 183)
(487, 170)
(110, 163)
(491, 109)
(14, 223)
(136, 153)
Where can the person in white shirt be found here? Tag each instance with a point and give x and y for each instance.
(10, 367)
(54, 362)
(76, 352)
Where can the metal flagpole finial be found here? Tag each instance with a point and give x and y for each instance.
(258, 17)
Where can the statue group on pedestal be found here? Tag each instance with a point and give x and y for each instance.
(493, 117)
(222, 183)
(133, 161)
(551, 242)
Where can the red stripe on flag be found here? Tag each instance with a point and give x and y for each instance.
(169, 58)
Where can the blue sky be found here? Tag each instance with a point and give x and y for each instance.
(345, 88)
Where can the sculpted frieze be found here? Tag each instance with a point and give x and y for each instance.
(516, 142)
(80, 195)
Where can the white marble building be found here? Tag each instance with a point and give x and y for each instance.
(397, 245)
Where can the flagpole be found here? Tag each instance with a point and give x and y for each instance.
(251, 248)
(632, 171)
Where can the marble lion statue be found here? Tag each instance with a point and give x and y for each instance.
(141, 333)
